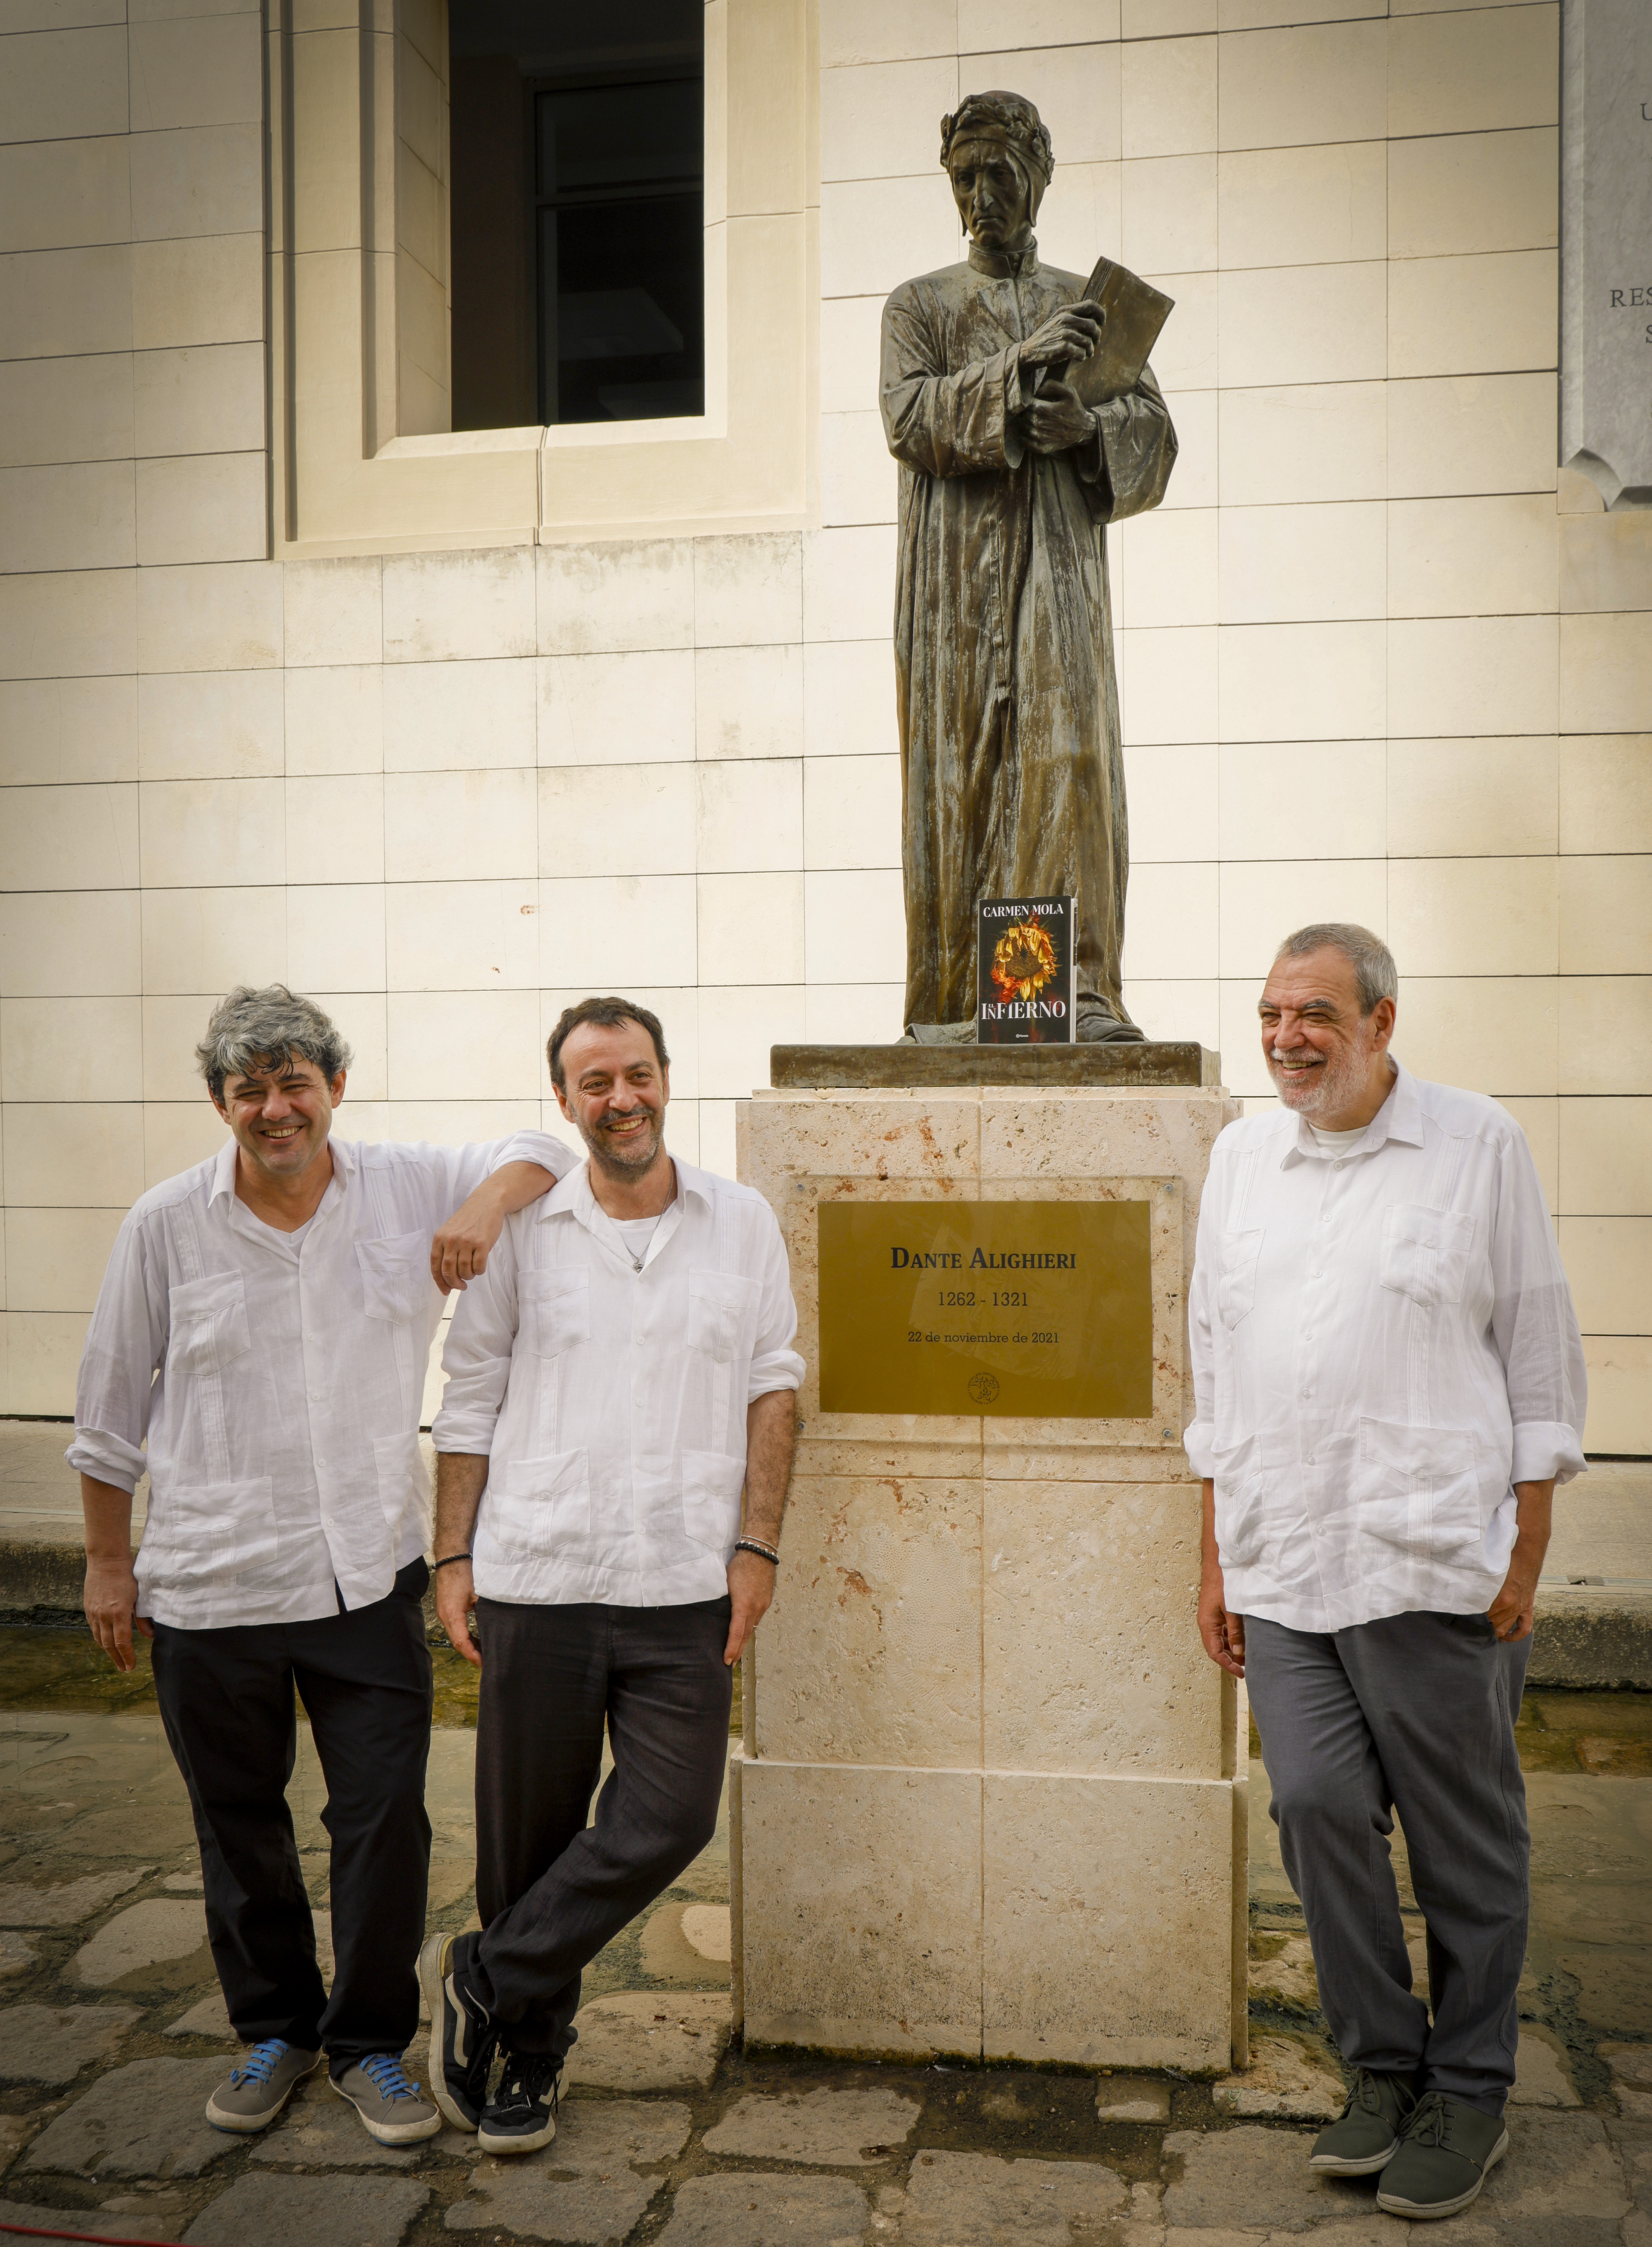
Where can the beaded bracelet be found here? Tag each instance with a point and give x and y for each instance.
(770, 1552)
(448, 1562)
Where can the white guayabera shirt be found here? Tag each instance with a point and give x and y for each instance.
(278, 1386)
(608, 1391)
(1383, 1343)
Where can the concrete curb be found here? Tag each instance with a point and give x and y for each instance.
(1588, 1635)
(1592, 1635)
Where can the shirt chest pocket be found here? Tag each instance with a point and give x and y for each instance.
(720, 1305)
(555, 1309)
(1426, 1253)
(1236, 1276)
(395, 1277)
(208, 1324)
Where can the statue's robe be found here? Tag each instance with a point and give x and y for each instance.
(1013, 784)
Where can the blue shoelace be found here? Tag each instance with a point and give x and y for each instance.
(384, 2072)
(260, 2063)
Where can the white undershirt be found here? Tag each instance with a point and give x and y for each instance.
(278, 1236)
(636, 1232)
(1331, 1141)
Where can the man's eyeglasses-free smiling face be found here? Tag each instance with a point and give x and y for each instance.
(615, 1092)
(1327, 1060)
(281, 1115)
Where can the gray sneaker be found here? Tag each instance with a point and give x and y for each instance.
(257, 2090)
(1443, 2159)
(1366, 2135)
(390, 2106)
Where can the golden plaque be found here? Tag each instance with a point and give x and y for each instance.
(1007, 1308)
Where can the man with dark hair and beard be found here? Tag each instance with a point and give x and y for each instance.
(1388, 1383)
(617, 1378)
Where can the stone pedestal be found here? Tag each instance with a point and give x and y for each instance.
(986, 1803)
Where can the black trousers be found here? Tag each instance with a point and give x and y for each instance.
(551, 1890)
(227, 1702)
(1415, 1713)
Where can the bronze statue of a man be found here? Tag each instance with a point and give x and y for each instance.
(1013, 784)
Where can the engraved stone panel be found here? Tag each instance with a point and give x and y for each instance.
(1605, 203)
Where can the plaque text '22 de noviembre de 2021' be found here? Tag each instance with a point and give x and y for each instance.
(1025, 1309)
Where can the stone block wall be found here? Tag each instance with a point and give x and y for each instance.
(1373, 663)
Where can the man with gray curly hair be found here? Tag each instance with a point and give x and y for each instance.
(259, 1349)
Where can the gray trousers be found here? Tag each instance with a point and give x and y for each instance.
(1414, 1713)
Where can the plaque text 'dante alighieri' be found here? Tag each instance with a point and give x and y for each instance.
(1041, 1310)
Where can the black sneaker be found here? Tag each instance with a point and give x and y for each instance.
(462, 2034)
(522, 2114)
(1366, 2135)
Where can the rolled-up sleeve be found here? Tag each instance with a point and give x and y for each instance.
(774, 1363)
(1199, 1440)
(477, 1358)
(1535, 1327)
(461, 1170)
(125, 1343)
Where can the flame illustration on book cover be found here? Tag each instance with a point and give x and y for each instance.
(1024, 959)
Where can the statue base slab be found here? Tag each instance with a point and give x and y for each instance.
(987, 1802)
(909, 1064)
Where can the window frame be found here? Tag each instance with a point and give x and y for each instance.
(357, 102)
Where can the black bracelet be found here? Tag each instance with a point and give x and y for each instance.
(448, 1562)
(770, 1552)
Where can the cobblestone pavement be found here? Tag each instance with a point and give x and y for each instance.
(112, 2032)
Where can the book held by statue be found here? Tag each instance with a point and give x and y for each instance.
(1135, 314)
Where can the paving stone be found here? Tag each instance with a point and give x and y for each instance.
(67, 1904)
(297, 2211)
(322, 2131)
(1282, 1971)
(15, 2130)
(451, 1880)
(184, 1884)
(145, 2119)
(828, 2129)
(585, 2189)
(157, 2222)
(652, 2041)
(766, 2211)
(978, 2200)
(17, 1955)
(1634, 2143)
(1287, 2076)
(1560, 2185)
(149, 1934)
(1629, 2063)
(669, 1958)
(1132, 2098)
(1541, 2077)
(207, 2017)
(48, 2044)
(1249, 2179)
(708, 1928)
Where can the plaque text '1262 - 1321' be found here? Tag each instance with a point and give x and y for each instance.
(1031, 1308)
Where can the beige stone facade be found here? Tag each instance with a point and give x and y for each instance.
(442, 728)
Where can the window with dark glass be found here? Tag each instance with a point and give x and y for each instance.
(577, 211)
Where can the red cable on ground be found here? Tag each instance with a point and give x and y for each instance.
(97, 2238)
